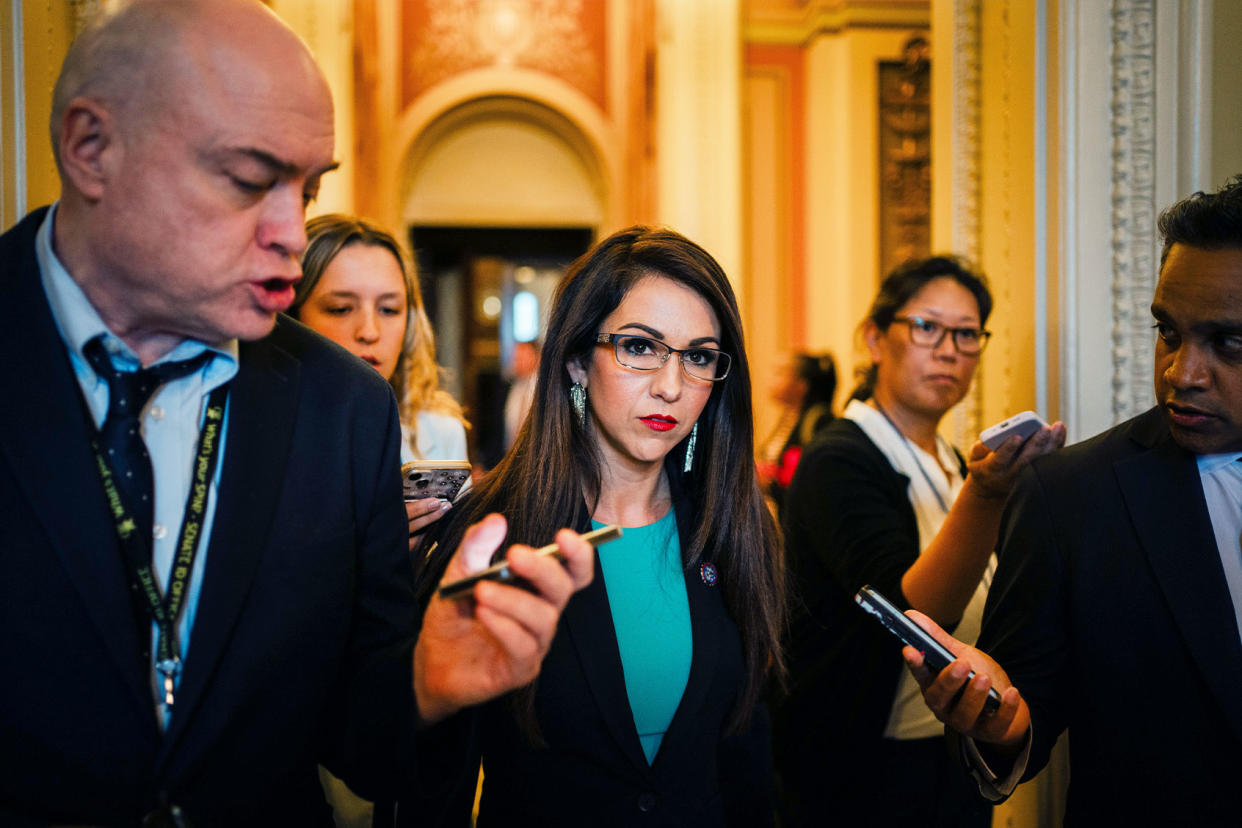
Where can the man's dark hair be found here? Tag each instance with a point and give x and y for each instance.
(1208, 221)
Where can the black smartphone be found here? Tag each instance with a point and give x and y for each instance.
(501, 572)
(935, 656)
(441, 479)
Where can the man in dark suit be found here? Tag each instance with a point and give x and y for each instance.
(1117, 604)
(185, 650)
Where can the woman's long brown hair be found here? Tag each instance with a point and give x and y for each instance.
(551, 477)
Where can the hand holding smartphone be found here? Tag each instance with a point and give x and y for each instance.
(501, 572)
(1024, 424)
(935, 656)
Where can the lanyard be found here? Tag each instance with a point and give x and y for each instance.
(906, 441)
(166, 609)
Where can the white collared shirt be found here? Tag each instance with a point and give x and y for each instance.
(1221, 476)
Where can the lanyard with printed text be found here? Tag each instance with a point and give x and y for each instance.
(165, 609)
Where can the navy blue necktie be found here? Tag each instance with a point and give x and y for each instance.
(120, 437)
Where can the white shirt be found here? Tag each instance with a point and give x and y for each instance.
(934, 485)
(439, 437)
(1221, 476)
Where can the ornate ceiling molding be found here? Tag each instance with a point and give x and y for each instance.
(798, 22)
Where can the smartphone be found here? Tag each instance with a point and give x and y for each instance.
(935, 656)
(1025, 424)
(501, 572)
(442, 479)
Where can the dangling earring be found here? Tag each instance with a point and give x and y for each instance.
(577, 398)
(694, 436)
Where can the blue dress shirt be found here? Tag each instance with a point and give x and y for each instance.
(170, 424)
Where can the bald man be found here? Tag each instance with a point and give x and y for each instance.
(204, 582)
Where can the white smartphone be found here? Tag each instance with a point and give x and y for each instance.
(1024, 424)
(434, 478)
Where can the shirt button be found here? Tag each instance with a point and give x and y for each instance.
(159, 531)
(646, 803)
(157, 413)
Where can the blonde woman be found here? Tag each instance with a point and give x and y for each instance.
(358, 289)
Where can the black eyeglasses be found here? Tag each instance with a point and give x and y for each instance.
(642, 353)
(928, 334)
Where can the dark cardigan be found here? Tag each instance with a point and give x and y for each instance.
(848, 521)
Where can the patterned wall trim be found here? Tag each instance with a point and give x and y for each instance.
(966, 418)
(1134, 198)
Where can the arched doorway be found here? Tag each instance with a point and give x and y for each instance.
(498, 195)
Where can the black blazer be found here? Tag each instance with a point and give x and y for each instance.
(1111, 614)
(591, 769)
(300, 651)
(848, 522)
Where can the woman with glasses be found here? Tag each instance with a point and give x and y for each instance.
(883, 499)
(649, 705)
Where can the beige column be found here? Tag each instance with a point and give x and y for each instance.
(698, 125)
(842, 188)
(327, 26)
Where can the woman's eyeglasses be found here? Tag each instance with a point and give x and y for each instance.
(928, 334)
(642, 353)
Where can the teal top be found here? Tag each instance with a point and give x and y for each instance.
(646, 589)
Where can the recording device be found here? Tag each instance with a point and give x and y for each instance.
(1024, 424)
(442, 479)
(935, 656)
(502, 573)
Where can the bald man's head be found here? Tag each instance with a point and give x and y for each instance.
(190, 135)
(130, 52)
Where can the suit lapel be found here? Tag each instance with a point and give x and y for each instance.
(44, 435)
(1164, 495)
(261, 419)
(705, 627)
(588, 617)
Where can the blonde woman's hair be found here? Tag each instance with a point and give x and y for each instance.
(416, 378)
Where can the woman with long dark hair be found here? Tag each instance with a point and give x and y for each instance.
(649, 704)
(883, 500)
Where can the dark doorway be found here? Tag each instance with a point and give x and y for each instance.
(487, 288)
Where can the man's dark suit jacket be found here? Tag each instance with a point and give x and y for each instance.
(590, 769)
(1111, 614)
(300, 650)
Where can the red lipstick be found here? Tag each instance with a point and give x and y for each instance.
(660, 422)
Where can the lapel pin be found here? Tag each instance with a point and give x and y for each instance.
(707, 571)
